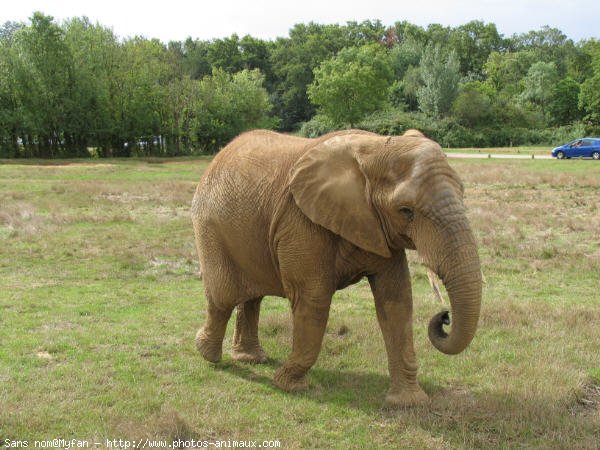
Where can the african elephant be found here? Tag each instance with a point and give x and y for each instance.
(301, 218)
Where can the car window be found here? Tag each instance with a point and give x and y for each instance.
(587, 143)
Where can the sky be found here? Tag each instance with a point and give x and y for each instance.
(268, 19)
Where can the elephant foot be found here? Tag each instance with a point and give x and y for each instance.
(406, 397)
(289, 380)
(210, 350)
(254, 355)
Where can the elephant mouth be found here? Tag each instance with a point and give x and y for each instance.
(406, 242)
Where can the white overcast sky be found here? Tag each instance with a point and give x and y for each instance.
(267, 19)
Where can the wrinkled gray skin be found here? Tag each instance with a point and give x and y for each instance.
(300, 218)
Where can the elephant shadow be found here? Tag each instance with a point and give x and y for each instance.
(364, 391)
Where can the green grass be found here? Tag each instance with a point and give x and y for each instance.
(522, 149)
(100, 303)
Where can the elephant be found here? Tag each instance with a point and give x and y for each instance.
(300, 218)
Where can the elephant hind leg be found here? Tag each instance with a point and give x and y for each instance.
(209, 339)
(222, 287)
(246, 346)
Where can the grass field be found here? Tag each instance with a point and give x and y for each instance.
(100, 303)
(523, 149)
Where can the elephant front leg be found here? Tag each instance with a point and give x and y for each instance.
(393, 302)
(246, 346)
(309, 322)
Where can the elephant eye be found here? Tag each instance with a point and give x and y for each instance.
(407, 213)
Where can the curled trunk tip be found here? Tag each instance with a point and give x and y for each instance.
(440, 339)
(436, 327)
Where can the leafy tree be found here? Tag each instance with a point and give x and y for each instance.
(89, 114)
(181, 97)
(396, 95)
(228, 104)
(437, 35)
(440, 76)
(564, 101)
(365, 32)
(403, 93)
(138, 95)
(411, 83)
(390, 38)
(255, 54)
(225, 54)
(472, 106)
(589, 98)
(11, 125)
(8, 30)
(473, 42)
(404, 55)
(538, 84)
(579, 63)
(70, 88)
(544, 38)
(293, 60)
(504, 71)
(405, 30)
(352, 84)
(196, 62)
(547, 44)
(44, 76)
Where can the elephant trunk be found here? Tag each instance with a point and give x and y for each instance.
(460, 272)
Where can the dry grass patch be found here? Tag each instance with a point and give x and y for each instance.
(535, 218)
(19, 217)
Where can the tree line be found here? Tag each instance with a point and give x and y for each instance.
(75, 89)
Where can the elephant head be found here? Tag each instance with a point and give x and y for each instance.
(384, 194)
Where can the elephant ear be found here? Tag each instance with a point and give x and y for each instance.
(330, 188)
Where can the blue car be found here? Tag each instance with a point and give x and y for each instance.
(584, 147)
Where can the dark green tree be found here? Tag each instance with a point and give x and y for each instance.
(564, 102)
(589, 99)
(11, 126)
(255, 54)
(225, 54)
(473, 42)
(411, 83)
(472, 106)
(196, 62)
(90, 119)
(44, 75)
(547, 44)
(589, 96)
(293, 60)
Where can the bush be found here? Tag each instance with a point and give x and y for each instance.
(449, 133)
(567, 133)
(317, 126)
(387, 122)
